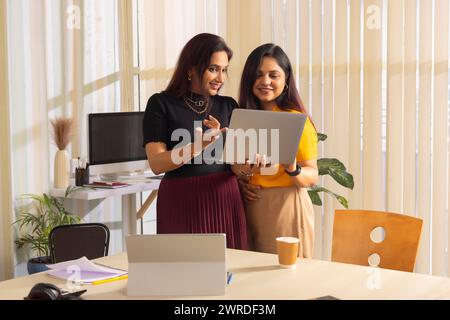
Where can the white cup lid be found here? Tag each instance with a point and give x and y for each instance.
(288, 239)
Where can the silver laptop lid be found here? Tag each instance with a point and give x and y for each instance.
(276, 134)
(176, 248)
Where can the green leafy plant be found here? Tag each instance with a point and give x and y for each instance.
(38, 217)
(336, 169)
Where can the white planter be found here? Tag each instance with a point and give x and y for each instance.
(61, 173)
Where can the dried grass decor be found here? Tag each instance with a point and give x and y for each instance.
(62, 131)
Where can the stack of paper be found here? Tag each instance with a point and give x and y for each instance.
(107, 185)
(82, 270)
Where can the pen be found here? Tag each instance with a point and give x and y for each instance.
(125, 276)
(229, 277)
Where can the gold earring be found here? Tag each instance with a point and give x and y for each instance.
(189, 77)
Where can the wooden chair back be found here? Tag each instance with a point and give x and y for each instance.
(352, 242)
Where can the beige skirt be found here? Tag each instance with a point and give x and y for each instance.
(281, 212)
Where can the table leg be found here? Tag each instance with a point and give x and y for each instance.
(144, 208)
(128, 215)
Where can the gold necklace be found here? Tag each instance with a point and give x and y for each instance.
(195, 104)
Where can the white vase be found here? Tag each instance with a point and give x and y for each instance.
(61, 174)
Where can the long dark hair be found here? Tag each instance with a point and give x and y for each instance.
(196, 54)
(289, 99)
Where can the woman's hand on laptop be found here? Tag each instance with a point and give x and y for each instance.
(259, 161)
(247, 170)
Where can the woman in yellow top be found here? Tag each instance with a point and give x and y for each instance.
(278, 204)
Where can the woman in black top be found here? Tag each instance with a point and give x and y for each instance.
(195, 195)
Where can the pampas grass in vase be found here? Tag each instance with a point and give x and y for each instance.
(62, 133)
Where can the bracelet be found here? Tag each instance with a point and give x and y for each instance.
(242, 173)
(294, 173)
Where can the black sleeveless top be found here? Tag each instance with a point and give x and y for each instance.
(165, 113)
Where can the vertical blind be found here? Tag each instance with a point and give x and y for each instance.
(6, 197)
(374, 76)
(64, 60)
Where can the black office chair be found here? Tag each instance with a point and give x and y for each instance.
(69, 242)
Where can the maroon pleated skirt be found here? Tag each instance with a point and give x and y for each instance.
(203, 204)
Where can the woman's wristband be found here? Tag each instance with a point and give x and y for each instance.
(294, 173)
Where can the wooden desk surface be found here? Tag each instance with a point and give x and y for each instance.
(258, 276)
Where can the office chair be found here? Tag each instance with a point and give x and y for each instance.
(352, 241)
(69, 242)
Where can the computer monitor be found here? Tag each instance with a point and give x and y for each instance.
(115, 144)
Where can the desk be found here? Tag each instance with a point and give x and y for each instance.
(257, 276)
(128, 194)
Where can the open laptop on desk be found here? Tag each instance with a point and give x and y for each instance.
(176, 264)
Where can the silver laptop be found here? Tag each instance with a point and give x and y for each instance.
(176, 264)
(275, 134)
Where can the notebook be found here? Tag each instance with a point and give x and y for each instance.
(83, 271)
(176, 264)
(107, 185)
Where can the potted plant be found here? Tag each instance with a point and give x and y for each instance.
(36, 219)
(337, 170)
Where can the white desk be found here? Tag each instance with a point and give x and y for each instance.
(258, 276)
(128, 199)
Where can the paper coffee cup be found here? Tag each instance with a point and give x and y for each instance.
(287, 248)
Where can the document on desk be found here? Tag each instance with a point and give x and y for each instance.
(107, 185)
(83, 271)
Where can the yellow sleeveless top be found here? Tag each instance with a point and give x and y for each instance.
(307, 150)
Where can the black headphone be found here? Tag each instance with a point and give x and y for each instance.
(48, 291)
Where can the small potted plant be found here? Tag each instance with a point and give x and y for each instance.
(36, 218)
(336, 169)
